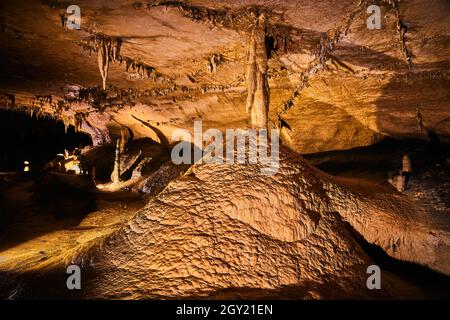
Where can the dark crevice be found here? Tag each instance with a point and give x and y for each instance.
(270, 46)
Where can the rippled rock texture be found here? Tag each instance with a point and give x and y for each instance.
(229, 227)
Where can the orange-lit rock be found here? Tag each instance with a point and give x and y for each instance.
(229, 227)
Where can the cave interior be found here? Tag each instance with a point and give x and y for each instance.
(94, 95)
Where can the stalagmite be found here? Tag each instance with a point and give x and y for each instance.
(122, 141)
(256, 74)
(115, 175)
(137, 172)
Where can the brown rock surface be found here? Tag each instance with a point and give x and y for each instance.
(222, 226)
(327, 80)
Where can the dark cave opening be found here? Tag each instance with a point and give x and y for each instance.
(34, 140)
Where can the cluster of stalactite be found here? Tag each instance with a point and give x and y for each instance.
(216, 87)
(118, 97)
(212, 63)
(60, 107)
(97, 41)
(35, 106)
(280, 38)
(45, 107)
(232, 19)
(99, 100)
(108, 50)
(326, 47)
(196, 13)
(76, 121)
(40, 100)
(36, 111)
(144, 71)
(67, 121)
(323, 54)
(95, 96)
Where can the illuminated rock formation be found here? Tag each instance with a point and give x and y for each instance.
(209, 230)
(334, 82)
(257, 84)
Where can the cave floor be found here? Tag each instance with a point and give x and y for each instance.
(37, 230)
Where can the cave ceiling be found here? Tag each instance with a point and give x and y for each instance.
(334, 83)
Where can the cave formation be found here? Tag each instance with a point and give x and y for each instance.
(257, 84)
(87, 177)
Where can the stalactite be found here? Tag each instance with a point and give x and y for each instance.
(59, 108)
(103, 61)
(213, 62)
(419, 119)
(79, 117)
(66, 122)
(108, 50)
(63, 19)
(256, 74)
(38, 112)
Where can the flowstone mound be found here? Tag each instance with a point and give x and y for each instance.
(227, 226)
